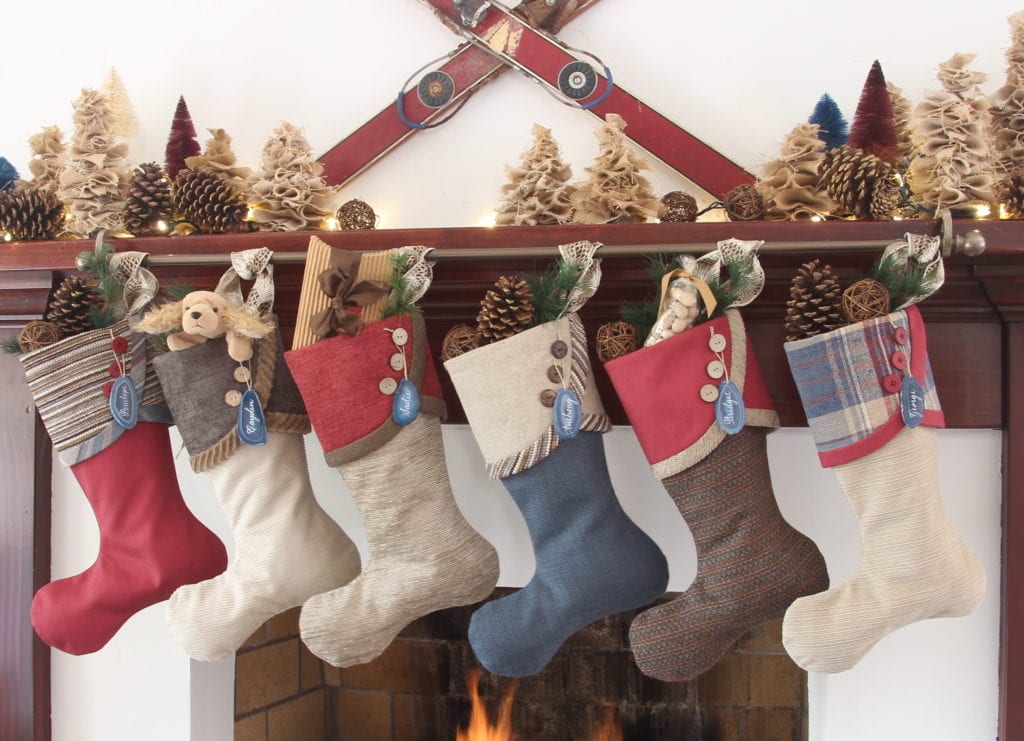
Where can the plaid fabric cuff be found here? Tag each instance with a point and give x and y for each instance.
(849, 382)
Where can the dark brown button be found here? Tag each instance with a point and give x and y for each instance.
(559, 349)
(899, 360)
(901, 335)
(547, 397)
(555, 374)
(892, 383)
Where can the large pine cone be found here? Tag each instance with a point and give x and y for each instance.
(815, 302)
(71, 304)
(149, 200)
(861, 184)
(1010, 193)
(30, 214)
(507, 309)
(209, 202)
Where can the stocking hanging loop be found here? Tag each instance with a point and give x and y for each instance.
(254, 265)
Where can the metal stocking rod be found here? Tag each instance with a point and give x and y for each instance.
(970, 243)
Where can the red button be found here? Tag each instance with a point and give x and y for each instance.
(900, 335)
(108, 388)
(892, 383)
(899, 360)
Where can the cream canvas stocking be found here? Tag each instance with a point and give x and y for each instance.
(872, 408)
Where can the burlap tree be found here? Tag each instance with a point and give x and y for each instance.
(954, 163)
(288, 191)
(1008, 105)
(790, 183)
(219, 158)
(902, 112)
(615, 190)
(210, 192)
(538, 191)
(47, 158)
(94, 182)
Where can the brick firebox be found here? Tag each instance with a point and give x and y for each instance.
(416, 690)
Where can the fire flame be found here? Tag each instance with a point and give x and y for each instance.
(480, 728)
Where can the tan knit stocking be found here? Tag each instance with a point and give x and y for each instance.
(914, 565)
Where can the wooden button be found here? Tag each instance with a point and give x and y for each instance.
(717, 343)
(397, 361)
(242, 374)
(555, 374)
(233, 398)
(559, 349)
(716, 369)
(388, 386)
(892, 383)
(709, 392)
(900, 335)
(899, 360)
(400, 336)
(547, 397)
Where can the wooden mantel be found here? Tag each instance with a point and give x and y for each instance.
(975, 334)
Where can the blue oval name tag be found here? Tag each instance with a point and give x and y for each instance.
(912, 401)
(730, 411)
(406, 404)
(124, 403)
(567, 413)
(252, 425)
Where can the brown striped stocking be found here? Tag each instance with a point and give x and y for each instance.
(751, 564)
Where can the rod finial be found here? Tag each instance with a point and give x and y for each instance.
(971, 243)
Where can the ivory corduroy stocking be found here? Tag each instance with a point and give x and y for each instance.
(751, 564)
(423, 555)
(914, 565)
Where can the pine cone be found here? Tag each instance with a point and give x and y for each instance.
(30, 214)
(69, 309)
(209, 202)
(815, 299)
(507, 309)
(860, 184)
(149, 200)
(1010, 194)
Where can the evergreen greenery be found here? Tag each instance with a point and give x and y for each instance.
(902, 283)
(399, 300)
(550, 291)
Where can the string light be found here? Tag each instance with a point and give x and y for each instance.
(332, 224)
(815, 218)
(982, 210)
(7, 237)
(161, 226)
(1004, 213)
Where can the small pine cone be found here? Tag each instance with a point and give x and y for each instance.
(861, 185)
(149, 200)
(209, 202)
(29, 213)
(356, 214)
(71, 304)
(507, 309)
(815, 302)
(677, 207)
(1011, 194)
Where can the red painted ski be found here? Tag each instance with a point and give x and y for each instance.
(508, 37)
(470, 68)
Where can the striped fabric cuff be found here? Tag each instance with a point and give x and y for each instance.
(850, 381)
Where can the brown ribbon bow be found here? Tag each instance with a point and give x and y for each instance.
(339, 284)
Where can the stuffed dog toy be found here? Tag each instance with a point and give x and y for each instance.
(202, 316)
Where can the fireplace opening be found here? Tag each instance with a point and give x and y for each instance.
(422, 689)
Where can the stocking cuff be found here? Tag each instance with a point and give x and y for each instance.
(347, 384)
(662, 389)
(67, 381)
(202, 390)
(850, 382)
(503, 388)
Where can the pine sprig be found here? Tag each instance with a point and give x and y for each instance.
(739, 280)
(551, 290)
(400, 299)
(903, 284)
(10, 346)
(643, 314)
(96, 263)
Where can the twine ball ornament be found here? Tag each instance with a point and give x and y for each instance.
(744, 203)
(356, 214)
(678, 207)
(37, 335)
(865, 299)
(460, 339)
(616, 339)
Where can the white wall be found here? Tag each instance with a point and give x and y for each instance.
(737, 75)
